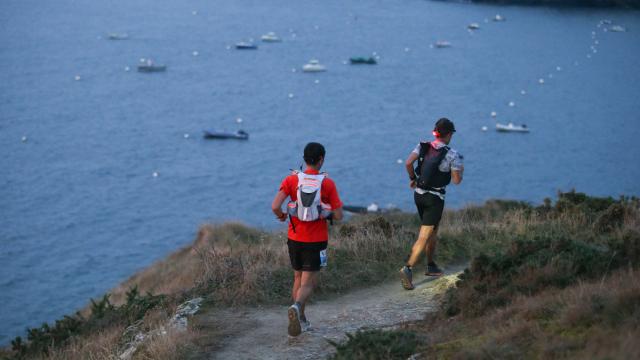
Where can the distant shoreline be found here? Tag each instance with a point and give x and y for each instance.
(624, 4)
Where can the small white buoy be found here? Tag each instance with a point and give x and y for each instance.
(293, 35)
(550, 76)
(512, 104)
(407, 49)
(345, 62)
(558, 68)
(541, 81)
(377, 57)
(595, 51)
(317, 81)
(142, 59)
(575, 63)
(290, 96)
(24, 139)
(494, 114)
(593, 33)
(374, 53)
(588, 56)
(239, 120)
(186, 136)
(77, 77)
(399, 161)
(195, 53)
(522, 92)
(316, 27)
(431, 46)
(484, 128)
(126, 68)
(596, 42)
(194, 12)
(155, 174)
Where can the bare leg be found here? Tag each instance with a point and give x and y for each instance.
(307, 284)
(420, 244)
(431, 244)
(297, 278)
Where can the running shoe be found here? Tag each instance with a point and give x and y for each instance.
(433, 270)
(406, 277)
(294, 320)
(305, 325)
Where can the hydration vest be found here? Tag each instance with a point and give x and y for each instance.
(308, 206)
(429, 175)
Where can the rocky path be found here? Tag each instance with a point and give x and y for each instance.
(261, 333)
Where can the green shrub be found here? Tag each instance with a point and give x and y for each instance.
(376, 344)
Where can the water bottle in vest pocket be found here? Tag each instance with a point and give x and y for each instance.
(323, 258)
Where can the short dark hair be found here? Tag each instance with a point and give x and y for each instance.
(443, 127)
(313, 152)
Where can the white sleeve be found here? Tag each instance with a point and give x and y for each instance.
(417, 149)
(457, 163)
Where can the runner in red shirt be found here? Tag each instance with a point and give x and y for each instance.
(314, 199)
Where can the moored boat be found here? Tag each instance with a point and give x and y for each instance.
(150, 66)
(213, 134)
(314, 66)
(363, 60)
(510, 127)
(270, 37)
(243, 45)
(117, 36)
(442, 44)
(473, 26)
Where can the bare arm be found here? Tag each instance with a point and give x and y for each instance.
(456, 176)
(276, 205)
(337, 214)
(409, 166)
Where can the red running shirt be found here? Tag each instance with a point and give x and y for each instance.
(311, 231)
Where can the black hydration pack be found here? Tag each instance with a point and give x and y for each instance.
(429, 175)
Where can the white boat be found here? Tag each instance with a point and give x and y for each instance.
(314, 66)
(473, 26)
(498, 17)
(270, 37)
(442, 44)
(510, 127)
(617, 28)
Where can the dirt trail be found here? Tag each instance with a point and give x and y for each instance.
(261, 333)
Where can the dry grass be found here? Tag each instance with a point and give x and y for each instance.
(98, 346)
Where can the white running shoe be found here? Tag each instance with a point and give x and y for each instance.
(294, 320)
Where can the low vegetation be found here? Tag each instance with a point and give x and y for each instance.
(553, 281)
(519, 252)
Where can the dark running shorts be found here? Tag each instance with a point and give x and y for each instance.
(430, 208)
(305, 256)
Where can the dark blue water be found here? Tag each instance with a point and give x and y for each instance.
(81, 211)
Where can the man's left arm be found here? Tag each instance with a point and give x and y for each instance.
(335, 202)
(457, 168)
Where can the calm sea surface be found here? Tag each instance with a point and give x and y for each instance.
(80, 210)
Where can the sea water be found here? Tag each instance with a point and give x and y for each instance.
(104, 170)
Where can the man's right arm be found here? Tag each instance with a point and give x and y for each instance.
(456, 175)
(410, 171)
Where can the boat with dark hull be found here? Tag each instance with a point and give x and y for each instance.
(222, 135)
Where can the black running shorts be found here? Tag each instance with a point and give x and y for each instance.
(306, 256)
(430, 208)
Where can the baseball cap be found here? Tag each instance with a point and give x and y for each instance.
(444, 127)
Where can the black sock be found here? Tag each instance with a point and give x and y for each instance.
(431, 263)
